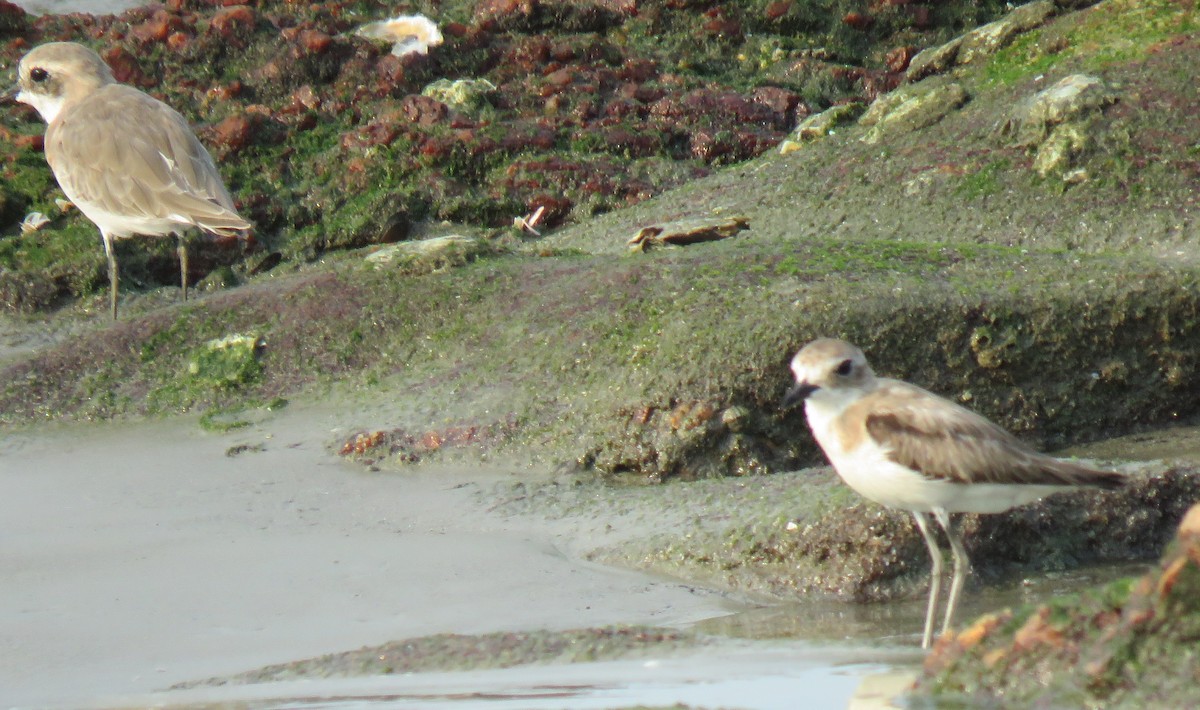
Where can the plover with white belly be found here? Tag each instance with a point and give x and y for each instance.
(906, 448)
(129, 162)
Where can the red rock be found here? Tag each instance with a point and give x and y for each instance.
(178, 41)
(125, 68)
(314, 42)
(898, 59)
(562, 52)
(435, 147)
(382, 132)
(635, 144)
(390, 70)
(723, 27)
(858, 20)
(780, 101)
(305, 97)
(232, 134)
(423, 110)
(232, 22)
(561, 78)
(225, 92)
(776, 10)
(876, 83)
(637, 70)
(35, 142)
(621, 108)
(555, 208)
(530, 55)
(156, 29)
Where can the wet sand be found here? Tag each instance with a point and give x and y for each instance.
(137, 556)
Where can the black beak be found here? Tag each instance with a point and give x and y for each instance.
(797, 393)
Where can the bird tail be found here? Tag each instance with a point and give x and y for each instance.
(1080, 475)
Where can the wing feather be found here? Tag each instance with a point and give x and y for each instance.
(157, 169)
(944, 441)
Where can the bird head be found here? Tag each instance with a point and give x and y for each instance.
(829, 369)
(53, 74)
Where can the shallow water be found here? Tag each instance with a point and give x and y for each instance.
(141, 555)
(760, 677)
(62, 7)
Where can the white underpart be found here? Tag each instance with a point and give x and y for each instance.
(121, 226)
(867, 469)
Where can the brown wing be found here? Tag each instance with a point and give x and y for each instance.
(130, 154)
(944, 441)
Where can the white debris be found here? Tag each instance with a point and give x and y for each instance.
(33, 222)
(409, 34)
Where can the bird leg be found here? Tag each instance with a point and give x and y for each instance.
(112, 272)
(935, 573)
(962, 564)
(181, 248)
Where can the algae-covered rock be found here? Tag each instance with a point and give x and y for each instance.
(227, 363)
(461, 94)
(933, 60)
(1069, 99)
(911, 109)
(980, 42)
(1058, 152)
(1130, 644)
(820, 125)
(24, 292)
(984, 41)
(1058, 122)
(425, 256)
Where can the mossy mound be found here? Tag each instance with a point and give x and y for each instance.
(326, 139)
(1131, 644)
(1065, 313)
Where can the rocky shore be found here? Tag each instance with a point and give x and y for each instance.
(1000, 206)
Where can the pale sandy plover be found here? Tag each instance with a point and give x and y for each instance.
(128, 161)
(906, 448)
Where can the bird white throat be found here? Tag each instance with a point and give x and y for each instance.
(906, 448)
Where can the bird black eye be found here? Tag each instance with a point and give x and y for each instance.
(39, 74)
(844, 368)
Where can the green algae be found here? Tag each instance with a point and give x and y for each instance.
(456, 652)
(1112, 32)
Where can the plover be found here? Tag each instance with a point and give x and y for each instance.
(128, 161)
(906, 448)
